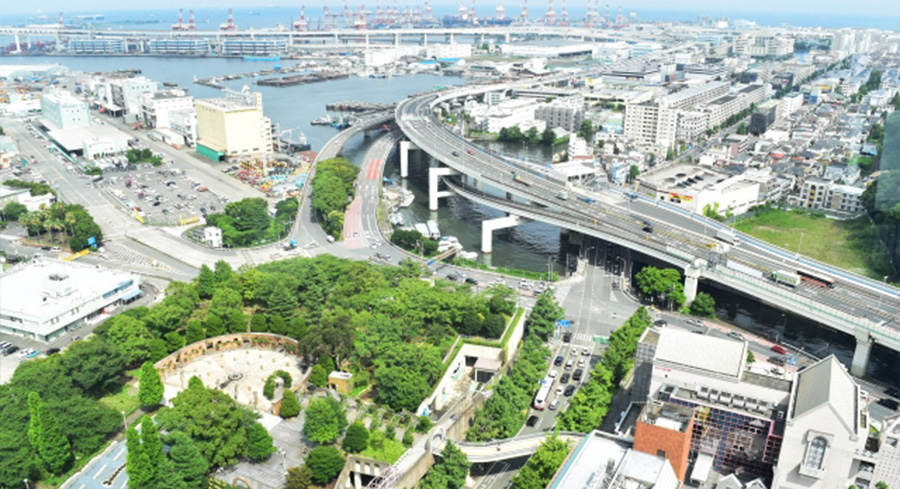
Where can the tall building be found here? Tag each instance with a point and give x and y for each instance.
(233, 127)
(127, 92)
(156, 106)
(61, 110)
(762, 44)
(656, 123)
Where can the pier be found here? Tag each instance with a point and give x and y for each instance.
(289, 81)
(357, 106)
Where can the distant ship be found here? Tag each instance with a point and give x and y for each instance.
(90, 17)
(325, 120)
(262, 58)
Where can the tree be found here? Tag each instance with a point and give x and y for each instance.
(12, 211)
(53, 446)
(325, 463)
(299, 477)
(151, 445)
(703, 305)
(93, 365)
(493, 327)
(633, 172)
(323, 421)
(356, 439)
(137, 463)
(150, 389)
(206, 282)
(750, 357)
(544, 314)
(214, 326)
(131, 336)
(742, 128)
(187, 461)
(258, 323)
(548, 137)
(269, 387)
(259, 443)
(318, 376)
(35, 427)
(225, 301)
(408, 438)
(282, 302)
(539, 469)
(290, 407)
(881, 485)
(449, 472)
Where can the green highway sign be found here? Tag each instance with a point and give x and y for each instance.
(600, 339)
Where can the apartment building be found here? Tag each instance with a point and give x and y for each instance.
(825, 195)
(568, 118)
(761, 44)
(156, 106)
(233, 127)
(658, 123)
(127, 93)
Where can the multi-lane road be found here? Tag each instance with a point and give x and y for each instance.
(678, 237)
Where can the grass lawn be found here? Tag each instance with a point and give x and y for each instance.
(126, 397)
(852, 245)
(390, 451)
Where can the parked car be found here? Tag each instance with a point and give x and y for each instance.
(51, 351)
(586, 351)
(471, 281)
(779, 349)
(9, 350)
(553, 373)
(554, 404)
(452, 276)
(577, 375)
(567, 337)
(736, 335)
(889, 403)
(532, 421)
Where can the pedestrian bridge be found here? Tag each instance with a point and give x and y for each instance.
(493, 451)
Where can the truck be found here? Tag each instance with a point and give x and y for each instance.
(727, 236)
(587, 200)
(290, 245)
(562, 195)
(518, 179)
(787, 278)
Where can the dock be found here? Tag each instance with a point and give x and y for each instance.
(357, 106)
(290, 81)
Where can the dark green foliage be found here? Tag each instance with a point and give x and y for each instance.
(408, 439)
(12, 210)
(282, 302)
(449, 472)
(174, 341)
(92, 364)
(661, 285)
(544, 314)
(194, 332)
(258, 324)
(318, 376)
(187, 461)
(423, 424)
(356, 439)
(413, 240)
(151, 444)
(34, 188)
(247, 222)
(53, 445)
(539, 469)
(704, 305)
(137, 463)
(206, 282)
(35, 427)
(332, 188)
(290, 407)
(214, 326)
(405, 375)
(214, 421)
(504, 412)
(299, 478)
(493, 326)
(325, 463)
(259, 443)
(150, 389)
(269, 387)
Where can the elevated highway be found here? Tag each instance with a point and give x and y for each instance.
(494, 451)
(861, 307)
(335, 146)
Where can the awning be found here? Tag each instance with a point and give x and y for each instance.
(701, 468)
(132, 295)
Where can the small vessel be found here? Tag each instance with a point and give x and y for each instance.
(397, 219)
(433, 231)
(406, 198)
(302, 142)
(262, 58)
(325, 120)
(169, 84)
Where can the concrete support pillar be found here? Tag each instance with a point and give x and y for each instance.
(367, 39)
(425, 40)
(396, 39)
(488, 227)
(482, 40)
(357, 481)
(405, 146)
(451, 38)
(691, 278)
(19, 44)
(861, 355)
(507, 38)
(434, 173)
(336, 39)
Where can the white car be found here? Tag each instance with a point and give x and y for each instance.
(574, 351)
(559, 390)
(586, 350)
(554, 404)
(581, 362)
(553, 373)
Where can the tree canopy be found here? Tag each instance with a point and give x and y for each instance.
(325, 419)
(325, 463)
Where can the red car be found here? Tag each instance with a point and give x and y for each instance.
(470, 151)
(779, 349)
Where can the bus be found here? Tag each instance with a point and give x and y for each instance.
(816, 278)
(540, 399)
(786, 278)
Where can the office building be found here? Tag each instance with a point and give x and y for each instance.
(761, 44)
(233, 127)
(46, 299)
(184, 123)
(789, 104)
(656, 123)
(763, 117)
(127, 94)
(61, 110)
(557, 115)
(450, 50)
(888, 467)
(693, 188)
(156, 107)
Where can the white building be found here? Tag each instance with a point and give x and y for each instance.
(821, 194)
(95, 148)
(506, 114)
(558, 115)
(693, 188)
(127, 93)
(825, 432)
(156, 107)
(554, 48)
(24, 197)
(46, 299)
(212, 236)
(451, 50)
(763, 43)
(789, 104)
(184, 122)
(61, 110)
(888, 467)
(652, 123)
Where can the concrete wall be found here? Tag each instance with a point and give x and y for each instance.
(457, 368)
(224, 343)
(513, 345)
(411, 478)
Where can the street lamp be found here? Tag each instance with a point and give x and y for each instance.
(283, 464)
(124, 421)
(800, 246)
(26, 484)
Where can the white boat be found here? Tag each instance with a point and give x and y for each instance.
(406, 198)
(433, 231)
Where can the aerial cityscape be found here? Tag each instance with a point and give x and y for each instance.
(408, 245)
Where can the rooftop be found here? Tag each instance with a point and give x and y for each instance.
(701, 352)
(827, 383)
(73, 139)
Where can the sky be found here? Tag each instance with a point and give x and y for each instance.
(890, 8)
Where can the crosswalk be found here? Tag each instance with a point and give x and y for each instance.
(117, 251)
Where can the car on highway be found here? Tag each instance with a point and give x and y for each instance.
(889, 403)
(564, 379)
(471, 281)
(893, 392)
(567, 337)
(554, 404)
(553, 373)
(452, 277)
(735, 335)
(660, 323)
(570, 363)
(532, 421)
(694, 322)
(779, 349)
(470, 151)
(559, 361)
(570, 390)
(579, 373)
(559, 389)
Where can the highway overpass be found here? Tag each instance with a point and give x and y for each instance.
(861, 307)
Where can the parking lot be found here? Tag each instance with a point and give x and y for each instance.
(163, 196)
